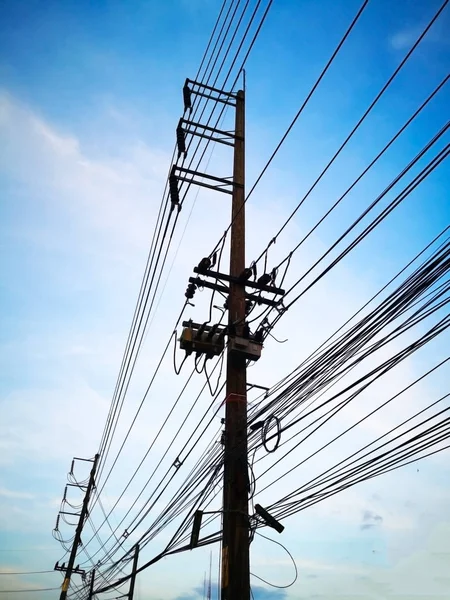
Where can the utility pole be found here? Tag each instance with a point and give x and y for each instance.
(243, 345)
(235, 551)
(77, 539)
(91, 585)
(209, 594)
(133, 573)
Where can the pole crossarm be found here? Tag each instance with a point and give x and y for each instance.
(210, 88)
(224, 184)
(216, 95)
(226, 290)
(254, 284)
(191, 128)
(76, 570)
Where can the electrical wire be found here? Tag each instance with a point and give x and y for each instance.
(165, 453)
(229, 72)
(367, 169)
(215, 472)
(310, 94)
(281, 587)
(358, 124)
(247, 54)
(133, 326)
(418, 179)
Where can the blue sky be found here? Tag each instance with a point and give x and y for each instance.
(90, 95)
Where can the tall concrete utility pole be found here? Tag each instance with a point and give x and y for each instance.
(77, 539)
(235, 552)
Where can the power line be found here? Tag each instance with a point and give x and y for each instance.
(310, 94)
(358, 124)
(328, 342)
(130, 344)
(369, 166)
(418, 179)
(252, 40)
(229, 72)
(441, 253)
(281, 587)
(348, 353)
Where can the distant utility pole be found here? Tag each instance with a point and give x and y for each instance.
(91, 586)
(133, 573)
(209, 594)
(130, 594)
(77, 539)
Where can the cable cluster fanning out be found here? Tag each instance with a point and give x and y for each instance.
(302, 417)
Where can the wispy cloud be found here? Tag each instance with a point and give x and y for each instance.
(404, 38)
(104, 193)
(258, 593)
(5, 493)
(370, 519)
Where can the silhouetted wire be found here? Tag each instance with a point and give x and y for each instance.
(281, 587)
(139, 304)
(167, 449)
(251, 43)
(385, 403)
(330, 61)
(356, 127)
(365, 171)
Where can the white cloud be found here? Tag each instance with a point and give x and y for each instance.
(115, 194)
(404, 39)
(5, 493)
(422, 575)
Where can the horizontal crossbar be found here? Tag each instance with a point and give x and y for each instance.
(212, 89)
(222, 288)
(253, 284)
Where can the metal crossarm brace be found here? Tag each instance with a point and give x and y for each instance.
(187, 91)
(212, 286)
(253, 284)
(228, 95)
(222, 288)
(63, 568)
(227, 135)
(222, 181)
(212, 89)
(210, 137)
(209, 97)
(251, 386)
